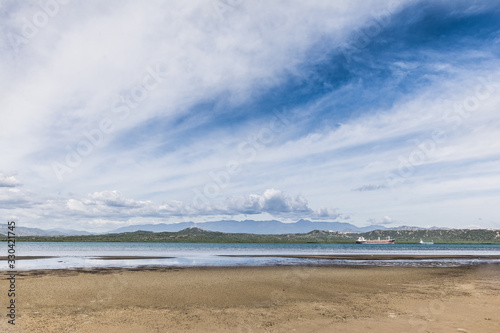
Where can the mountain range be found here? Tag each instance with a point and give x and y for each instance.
(25, 231)
(270, 227)
(197, 235)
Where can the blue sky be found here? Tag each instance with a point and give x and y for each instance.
(379, 112)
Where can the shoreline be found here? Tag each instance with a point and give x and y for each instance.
(298, 256)
(95, 263)
(156, 268)
(235, 242)
(371, 256)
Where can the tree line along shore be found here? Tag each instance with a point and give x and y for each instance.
(197, 235)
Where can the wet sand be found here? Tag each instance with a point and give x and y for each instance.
(257, 299)
(92, 257)
(28, 257)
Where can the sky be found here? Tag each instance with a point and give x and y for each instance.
(368, 112)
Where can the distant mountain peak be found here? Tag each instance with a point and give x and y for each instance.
(321, 232)
(194, 230)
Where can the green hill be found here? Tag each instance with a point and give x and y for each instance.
(197, 235)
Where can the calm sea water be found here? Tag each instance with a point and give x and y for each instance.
(85, 255)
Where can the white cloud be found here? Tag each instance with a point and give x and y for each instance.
(8, 181)
(110, 204)
(76, 205)
(12, 198)
(278, 203)
(111, 207)
(115, 199)
(382, 221)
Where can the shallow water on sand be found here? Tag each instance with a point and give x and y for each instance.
(90, 255)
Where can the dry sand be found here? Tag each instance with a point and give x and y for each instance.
(265, 299)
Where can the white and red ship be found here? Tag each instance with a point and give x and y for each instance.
(362, 240)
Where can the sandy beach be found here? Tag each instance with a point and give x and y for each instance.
(257, 299)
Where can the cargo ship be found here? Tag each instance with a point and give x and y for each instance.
(362, 240)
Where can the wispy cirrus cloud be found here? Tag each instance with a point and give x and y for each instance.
(370, 187)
